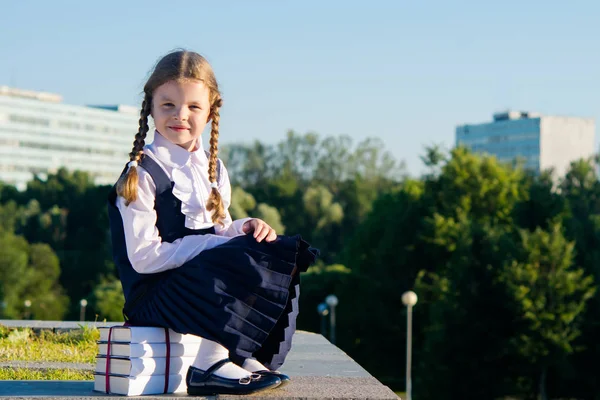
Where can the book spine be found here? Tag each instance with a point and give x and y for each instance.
(140, 386)
(146, 335)
(153, 350)
(144, 366)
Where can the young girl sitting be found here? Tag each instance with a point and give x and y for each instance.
(183, 263)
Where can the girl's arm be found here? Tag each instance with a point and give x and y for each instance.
(146, 251)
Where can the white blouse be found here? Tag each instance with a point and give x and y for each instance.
(189, 172)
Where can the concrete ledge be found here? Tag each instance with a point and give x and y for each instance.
(332, 387)
(300, 388)
(318, 369)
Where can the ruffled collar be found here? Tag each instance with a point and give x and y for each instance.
(189, 174)
(175, 156)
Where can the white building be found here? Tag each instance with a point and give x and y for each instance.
(542, 142)
(39, 134)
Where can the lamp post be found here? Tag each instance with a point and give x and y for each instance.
(323, 312)
(409, 299)
(332, 302)
(82, 305)
(27, 304)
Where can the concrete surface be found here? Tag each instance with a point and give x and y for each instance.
(318, 369)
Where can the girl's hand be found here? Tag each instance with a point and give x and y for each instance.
(261, 229)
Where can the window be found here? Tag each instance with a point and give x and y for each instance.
(25, 119)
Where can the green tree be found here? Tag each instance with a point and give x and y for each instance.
(384, 258)
(317, 283)
(107, 300)
(42, 283)
(29, 272)
(550, 296)
(64, 188)
(454, 229)
(68, 212)
(13, 270)
(580, 190)
(247, 164)
(319, 204)
(542, 205)
(243, 205)
(283, 175)
(9, 214)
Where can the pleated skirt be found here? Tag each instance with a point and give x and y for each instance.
(241, 294)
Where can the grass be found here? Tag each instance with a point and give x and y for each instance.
(19, 374)
(23, 345)
(77, 346)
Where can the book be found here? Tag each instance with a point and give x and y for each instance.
(144, 334)
(140, 385)
(144, 366)
(131, 350)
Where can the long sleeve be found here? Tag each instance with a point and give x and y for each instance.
(145, 249)
(230, 228)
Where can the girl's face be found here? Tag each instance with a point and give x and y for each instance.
(180, 111)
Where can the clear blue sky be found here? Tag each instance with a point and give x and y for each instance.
(405, 71)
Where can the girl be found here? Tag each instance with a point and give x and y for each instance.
(183, 263)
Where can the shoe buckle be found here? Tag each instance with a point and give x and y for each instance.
(245, 380)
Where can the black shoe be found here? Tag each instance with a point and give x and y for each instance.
(282, 377)
(206, 383)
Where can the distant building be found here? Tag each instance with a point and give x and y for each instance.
(39, 134)
(540, 141)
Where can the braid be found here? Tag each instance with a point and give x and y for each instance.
(215, 204)
(128, 182)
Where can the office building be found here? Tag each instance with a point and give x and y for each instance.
(39, 134)
(540, 141)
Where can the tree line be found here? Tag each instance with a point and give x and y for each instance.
(504, 261)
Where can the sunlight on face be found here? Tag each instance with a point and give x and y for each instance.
(180, 111)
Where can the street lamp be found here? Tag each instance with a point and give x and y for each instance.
(323, 312)
(332, 301)
(82, 305)
(27, 304)
(409, 299)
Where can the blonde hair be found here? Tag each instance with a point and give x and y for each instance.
(178, 66)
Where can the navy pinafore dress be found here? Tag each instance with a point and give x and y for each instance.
(241, 294)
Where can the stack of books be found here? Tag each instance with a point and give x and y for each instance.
(134, 360)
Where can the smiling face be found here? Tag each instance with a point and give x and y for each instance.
(180, 110)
